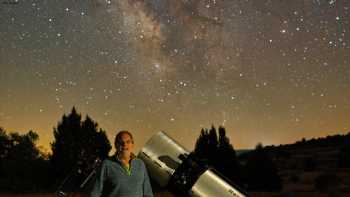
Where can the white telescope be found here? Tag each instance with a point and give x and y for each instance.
(173, 167)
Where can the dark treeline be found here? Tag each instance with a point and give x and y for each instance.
(77, 143)
(256, 173)
(340, 143)
(325, 161)
(328, 141)
(22, 166)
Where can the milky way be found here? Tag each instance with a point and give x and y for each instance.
(270, 71)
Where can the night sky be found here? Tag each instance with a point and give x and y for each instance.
(270, 71)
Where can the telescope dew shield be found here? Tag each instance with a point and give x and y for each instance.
(170, 165)
(210, 184)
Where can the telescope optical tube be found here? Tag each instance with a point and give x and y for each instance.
(173, 167)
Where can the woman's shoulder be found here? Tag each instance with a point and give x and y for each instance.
(138, 160)
(108, 161)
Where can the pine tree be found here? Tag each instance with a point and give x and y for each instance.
(217, 152)
(228, 163)
(77, 143)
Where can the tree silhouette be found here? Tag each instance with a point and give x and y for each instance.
(22, 167)
(229, 165)
(5, 144)
(201, 148)
(77, 144)
(218, 152)
(23, 146)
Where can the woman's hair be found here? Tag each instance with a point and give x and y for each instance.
(118, 137)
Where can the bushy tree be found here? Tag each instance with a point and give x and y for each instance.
(5, 144)
(22, 167)
(218, 152)
(77, 144)
(23, 146)
(228, 164)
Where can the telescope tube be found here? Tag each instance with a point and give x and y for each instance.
(172, 166)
